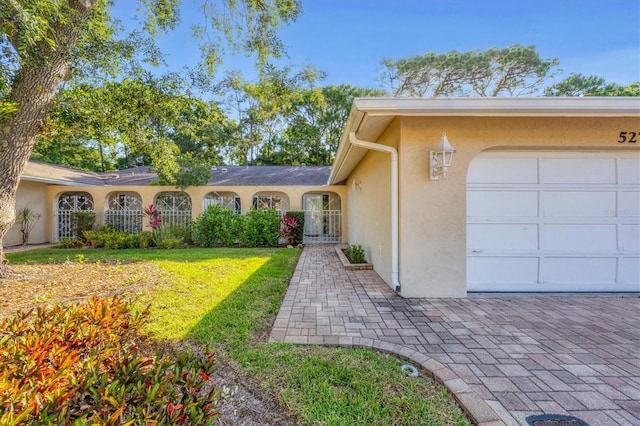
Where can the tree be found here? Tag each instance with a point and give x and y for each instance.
(258, 110)
(41, 41)
(143, 117)
(582, 85)
(314, 126)
(512, 71)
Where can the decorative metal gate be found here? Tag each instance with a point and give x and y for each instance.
(268, 200)
(69, 202)
(227, 200)
(174, 208)
(124, 211)
(322, 219)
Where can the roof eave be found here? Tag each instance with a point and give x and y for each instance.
(54, 181)
(389, 107)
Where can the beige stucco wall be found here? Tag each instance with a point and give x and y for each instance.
(32, 195)
(369, 205)
(148, 193)
(433, 213)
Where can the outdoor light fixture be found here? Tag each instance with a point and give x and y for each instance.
(440, 158)
(356, 184)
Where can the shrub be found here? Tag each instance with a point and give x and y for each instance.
(355, 254)
(216, 226)
(152, 212)
(145, 239)
(182, 233)
(27, 219)
(82, 221)
(66, 242)
(298, 232)
(288, 228)
(261, 228)
(170, 243)
(76, 365)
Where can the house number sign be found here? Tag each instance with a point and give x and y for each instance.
(628, 137)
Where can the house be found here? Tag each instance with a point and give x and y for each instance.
(541, 194)
(118, 198)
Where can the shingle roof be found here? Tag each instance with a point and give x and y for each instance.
(220, 175)
(59, 175)
(269, 175)
(134, 176)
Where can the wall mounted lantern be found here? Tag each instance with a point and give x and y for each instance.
(356, 185)
(440, 158)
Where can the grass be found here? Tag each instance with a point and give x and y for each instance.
(228, 298)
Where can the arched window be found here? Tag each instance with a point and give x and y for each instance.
(271, 200)
(174, 207)
(123, 211)
(227, 200)
(68, 203)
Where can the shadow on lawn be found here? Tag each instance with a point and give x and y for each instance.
(247, 313)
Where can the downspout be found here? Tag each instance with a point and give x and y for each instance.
(395, 283)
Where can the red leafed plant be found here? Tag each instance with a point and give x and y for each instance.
(77, 363)
(288, 228)
(152, 212)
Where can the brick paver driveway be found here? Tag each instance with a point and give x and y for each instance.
(504, 358)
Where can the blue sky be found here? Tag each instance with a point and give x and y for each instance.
(348, 38)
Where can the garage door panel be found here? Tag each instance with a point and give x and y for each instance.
(579, 170)
(586, 270)
(583, 237)
(631, 238)
(503, 203)
(496, 170)
(629, 204)
(503, 270)
(579, 203)
(502, 236)
(630, 271)
(628, 172)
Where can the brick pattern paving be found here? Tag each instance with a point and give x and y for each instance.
(503, 358)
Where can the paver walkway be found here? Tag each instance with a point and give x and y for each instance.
(504, 358)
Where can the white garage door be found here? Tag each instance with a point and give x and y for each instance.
(554, 221)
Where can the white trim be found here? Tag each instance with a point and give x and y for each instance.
(395, 223)
(370, 116)
(493, 106)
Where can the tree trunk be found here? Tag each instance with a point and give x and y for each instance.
(33, 89)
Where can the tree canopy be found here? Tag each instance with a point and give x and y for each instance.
(511, 71)
(42, 43)
(583, 85)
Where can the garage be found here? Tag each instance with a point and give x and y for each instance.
(553, 221)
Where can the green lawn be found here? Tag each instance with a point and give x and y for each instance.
(227, 299)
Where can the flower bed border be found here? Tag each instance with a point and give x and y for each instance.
(351, 266)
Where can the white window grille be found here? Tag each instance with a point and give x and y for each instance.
(227, 200)
(276, 201)
(322, 218)
(69, 202)
(124, 211)
(174, 207)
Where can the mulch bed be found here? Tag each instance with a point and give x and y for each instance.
(29, 286)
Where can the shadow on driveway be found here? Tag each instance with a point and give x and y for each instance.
(504, 357)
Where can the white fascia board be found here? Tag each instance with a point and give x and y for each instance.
(484, 106)
(478, 106)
